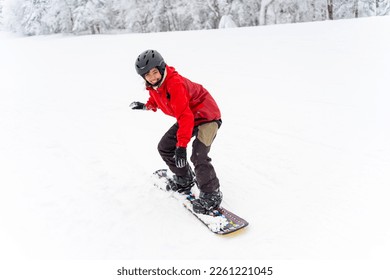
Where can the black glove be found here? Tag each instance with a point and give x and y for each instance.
(137, 105)
(180, 157)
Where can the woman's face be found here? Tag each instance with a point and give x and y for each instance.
(153, 76)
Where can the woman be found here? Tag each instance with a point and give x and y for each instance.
(197, 115)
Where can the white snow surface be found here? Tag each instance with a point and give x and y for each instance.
(303, 153)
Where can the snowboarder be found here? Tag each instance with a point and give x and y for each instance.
(197, 115)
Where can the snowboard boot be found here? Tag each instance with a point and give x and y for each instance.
(184, 184)
(207, 202)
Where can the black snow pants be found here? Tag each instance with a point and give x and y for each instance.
(204, 136)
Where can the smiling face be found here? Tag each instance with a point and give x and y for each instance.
(153, 77)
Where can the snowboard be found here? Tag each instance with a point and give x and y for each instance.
(220, 221)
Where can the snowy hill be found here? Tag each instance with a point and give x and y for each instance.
(303, 152)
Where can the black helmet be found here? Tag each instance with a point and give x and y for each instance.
(148, 60)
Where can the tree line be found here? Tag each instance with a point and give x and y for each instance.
(37, 17)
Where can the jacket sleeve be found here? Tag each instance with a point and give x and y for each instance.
(151, 104)
(182, 112)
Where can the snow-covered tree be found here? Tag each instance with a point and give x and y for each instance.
(382, 7)
(32, 17)
(58, 17)
(244, 13)
(330, 9)
(90, 16)
(140, 17)
(119, 13)
(206, 14)
(10, 15)
(318, 10)
(162, 17)
(227, 22)
(1, 14)
(36, 17)
(183, 15)
(265, 5)
(343, 9)
(366, 8)
(287, 11)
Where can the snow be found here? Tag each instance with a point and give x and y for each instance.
(303, 152)
(227, 22)
(214, 223)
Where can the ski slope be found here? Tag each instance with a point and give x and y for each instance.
(303, 153)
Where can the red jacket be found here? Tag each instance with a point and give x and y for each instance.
(190, 103)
